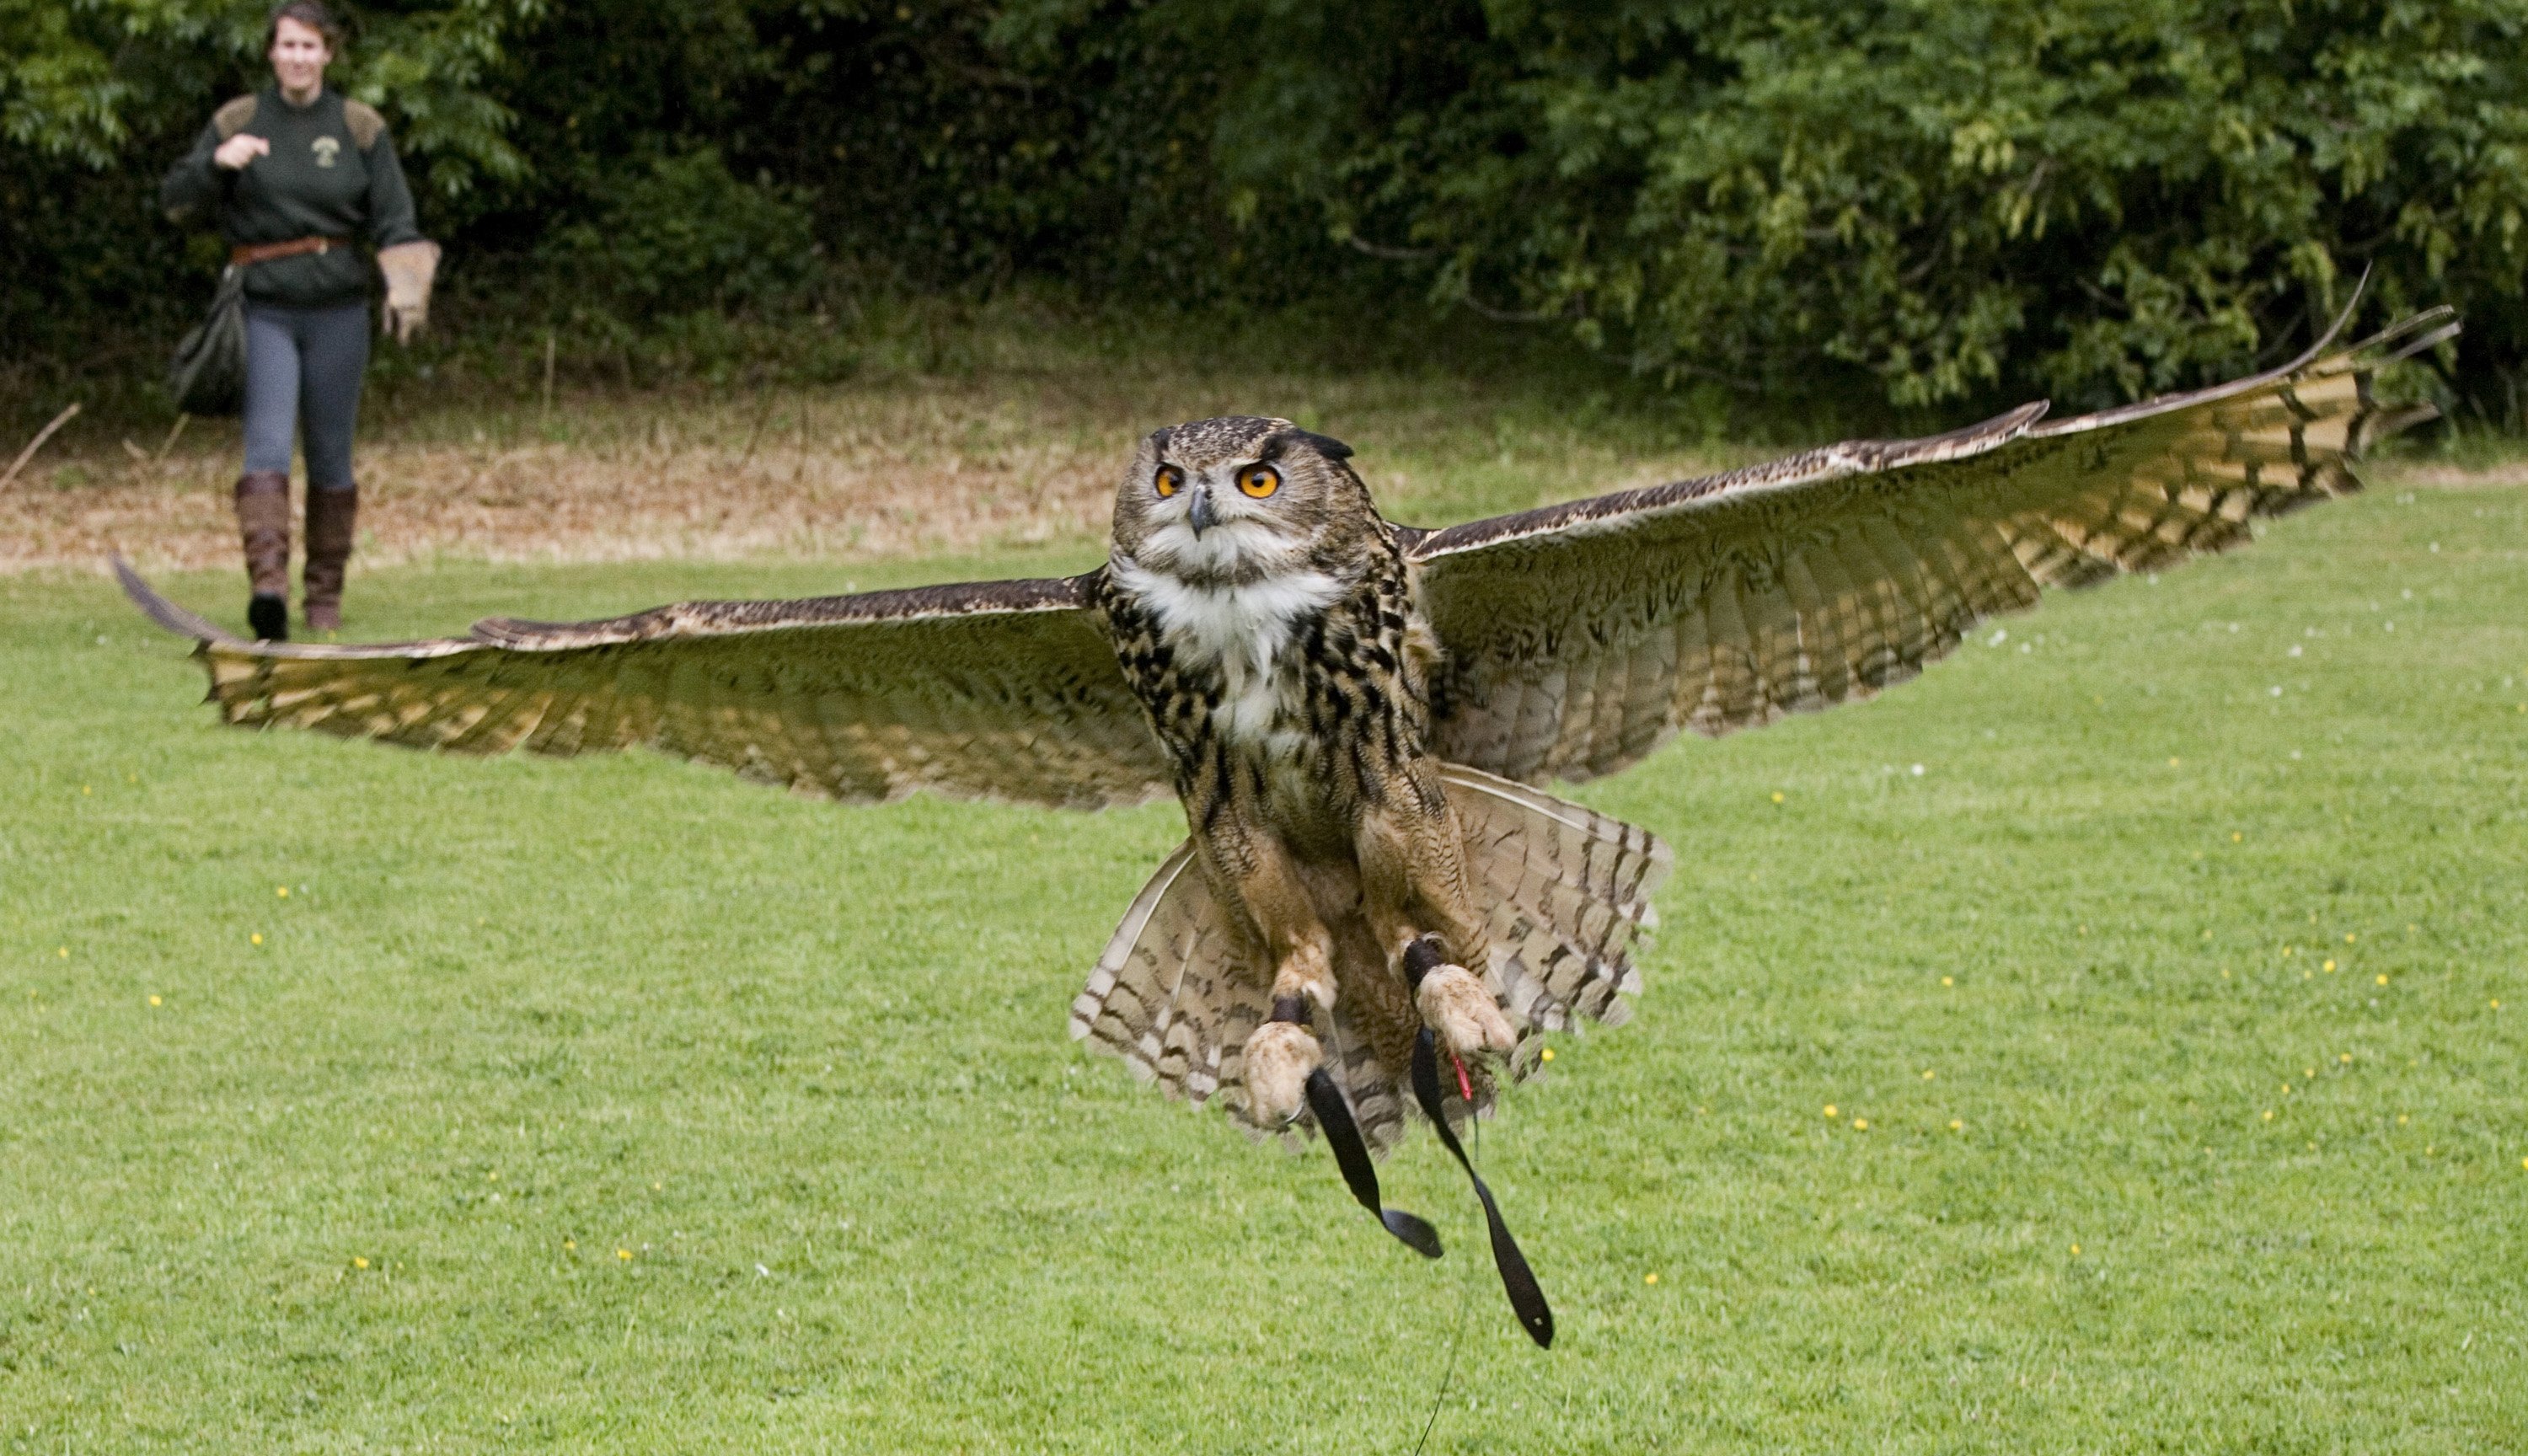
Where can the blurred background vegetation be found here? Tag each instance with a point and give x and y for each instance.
(1926, 206)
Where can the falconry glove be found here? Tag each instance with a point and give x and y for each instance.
(410, 268)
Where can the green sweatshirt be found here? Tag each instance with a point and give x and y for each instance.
(332, 172)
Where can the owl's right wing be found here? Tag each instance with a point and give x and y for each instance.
(986, 690)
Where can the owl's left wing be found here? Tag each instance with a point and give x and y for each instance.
(1581, 637)
(983, 690)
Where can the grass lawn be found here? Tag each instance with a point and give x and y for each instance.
(2171, 948)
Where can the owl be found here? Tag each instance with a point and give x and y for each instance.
(1378, 906)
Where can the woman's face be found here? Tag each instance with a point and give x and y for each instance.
(298, 55)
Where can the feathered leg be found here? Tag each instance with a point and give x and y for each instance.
(1258, 869)
(1414, 887)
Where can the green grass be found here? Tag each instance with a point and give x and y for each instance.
(807, 1066)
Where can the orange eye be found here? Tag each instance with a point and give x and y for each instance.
(1169, 481)
(1259, 481)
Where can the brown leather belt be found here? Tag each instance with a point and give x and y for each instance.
(264, 253)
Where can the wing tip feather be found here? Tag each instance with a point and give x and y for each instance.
(166, 613)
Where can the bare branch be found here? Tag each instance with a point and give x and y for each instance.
(36, 443)
(1388, 251)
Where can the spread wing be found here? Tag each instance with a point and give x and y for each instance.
(991, 690)
(1581, 637)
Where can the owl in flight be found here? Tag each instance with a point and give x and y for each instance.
(1376, 899)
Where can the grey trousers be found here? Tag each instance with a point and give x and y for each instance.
(302, 374)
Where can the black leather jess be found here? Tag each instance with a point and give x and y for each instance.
(1351, 1155)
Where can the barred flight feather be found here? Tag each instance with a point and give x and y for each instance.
(1005, 690)
(1581, 637)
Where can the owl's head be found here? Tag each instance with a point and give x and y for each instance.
(1236, 498)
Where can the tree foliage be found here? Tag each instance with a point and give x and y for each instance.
(1933, 200)
(2102, 196)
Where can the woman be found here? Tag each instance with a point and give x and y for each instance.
(292, 172)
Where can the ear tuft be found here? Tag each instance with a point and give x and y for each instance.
(1324, 444)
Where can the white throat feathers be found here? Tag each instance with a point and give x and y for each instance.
(1240, 628)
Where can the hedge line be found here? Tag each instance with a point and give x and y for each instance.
(1932, 200)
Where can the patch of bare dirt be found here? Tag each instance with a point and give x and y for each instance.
(891, 468)
(874, 476)
(2503, 475)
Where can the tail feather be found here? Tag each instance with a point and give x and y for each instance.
(1566, 895)
(1180, 987)
(1569, 892)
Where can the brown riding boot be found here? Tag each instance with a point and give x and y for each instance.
(331, 515)
(263, 520)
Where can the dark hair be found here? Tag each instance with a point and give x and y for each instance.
(309, 13)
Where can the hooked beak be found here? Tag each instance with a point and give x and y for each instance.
(1199, 511)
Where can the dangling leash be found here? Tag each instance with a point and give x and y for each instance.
(1341, 1131)
(1526, 1300)
(1519, 1281)
(1352, 1154)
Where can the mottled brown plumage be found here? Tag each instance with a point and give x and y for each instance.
(1355, 713)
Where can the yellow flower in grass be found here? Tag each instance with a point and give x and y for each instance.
(1957, 1125)
(1545, 1056)
(2330, 966)
(357, 1261)
(1777, 795)
(1651, 1278)
(256, 938)
(1829, 1109)
(1860, 1124)
(153, 1001)
(2383, 980)
(623, 1253)
(283, 891)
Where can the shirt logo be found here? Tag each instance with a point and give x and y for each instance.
(327, 148)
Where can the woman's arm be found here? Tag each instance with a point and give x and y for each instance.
(194, 182)
(202, 179)
(390, 214)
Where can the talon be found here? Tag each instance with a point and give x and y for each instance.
(1456, 1006)
(1279, 1058)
